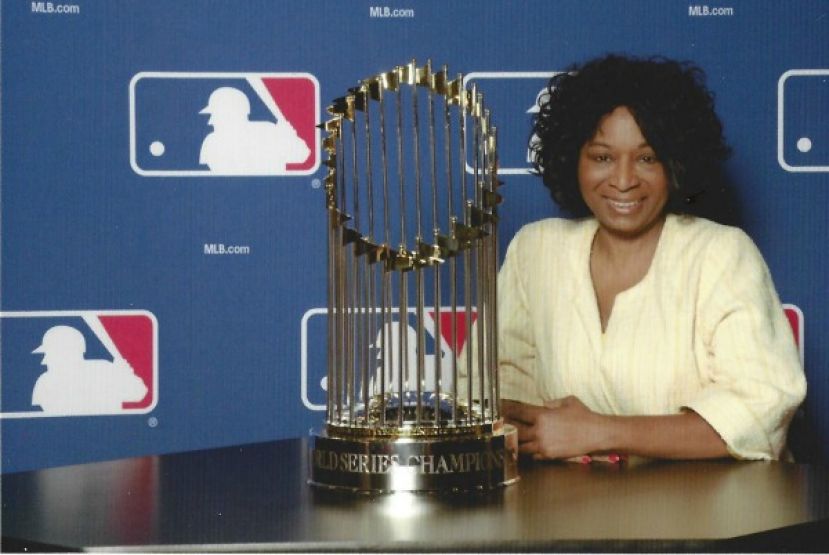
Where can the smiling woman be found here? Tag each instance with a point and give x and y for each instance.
(673, 111)
(621, 180)
(625, 186)
(638, 327)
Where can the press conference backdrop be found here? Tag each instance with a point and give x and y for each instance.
(186, 288)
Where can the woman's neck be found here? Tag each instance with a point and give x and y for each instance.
(619, 249)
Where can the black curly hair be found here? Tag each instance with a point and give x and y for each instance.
(671, 105)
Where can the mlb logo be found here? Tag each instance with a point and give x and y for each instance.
(72, 363)
(449, 345)
(802, 133)
(513, 97)
(224, 124)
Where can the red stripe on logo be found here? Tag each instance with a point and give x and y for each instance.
(458, 331)
(133, 335)
(296, 98)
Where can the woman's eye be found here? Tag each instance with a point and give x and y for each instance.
(648, 158)
(601, 157)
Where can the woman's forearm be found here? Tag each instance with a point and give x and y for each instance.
(680, 436)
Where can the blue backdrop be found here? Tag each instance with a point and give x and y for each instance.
(107, 212)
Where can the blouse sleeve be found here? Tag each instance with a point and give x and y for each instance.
(746, 349)
(516, 343)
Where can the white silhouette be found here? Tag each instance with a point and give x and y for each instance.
(73, 384)
(238, 146)
(409, 370)
(542, 97)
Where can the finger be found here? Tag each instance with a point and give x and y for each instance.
(511, 410)
(518, 408)
(525, 433)
(582, 459)
(520, 411)
(554, 403)
(528, 448)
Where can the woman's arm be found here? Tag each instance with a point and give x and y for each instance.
(746, 352)
(566, 428)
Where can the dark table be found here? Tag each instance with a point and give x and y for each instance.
(255, 497)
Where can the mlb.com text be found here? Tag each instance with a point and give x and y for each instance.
(385, 12)
(698, 10)
(50, 8)
(221, 248)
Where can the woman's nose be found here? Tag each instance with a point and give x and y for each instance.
(624, 175)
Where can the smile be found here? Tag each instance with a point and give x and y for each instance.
(625, 207)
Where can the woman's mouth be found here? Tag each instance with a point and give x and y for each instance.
(625, 207)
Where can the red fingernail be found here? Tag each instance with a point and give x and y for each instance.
(586, 459)
(614, 458)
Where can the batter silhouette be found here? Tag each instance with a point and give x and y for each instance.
(73, 384)
(238, 146)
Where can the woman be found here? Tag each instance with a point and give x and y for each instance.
(640, 329)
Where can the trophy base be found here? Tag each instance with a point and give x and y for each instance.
(390, 464)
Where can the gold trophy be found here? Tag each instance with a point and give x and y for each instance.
(411, 194)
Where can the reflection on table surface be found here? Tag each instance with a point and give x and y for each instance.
(256, 496)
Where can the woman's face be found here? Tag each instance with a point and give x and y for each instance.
(621, 180)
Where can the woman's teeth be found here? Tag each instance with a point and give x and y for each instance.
(624, 206)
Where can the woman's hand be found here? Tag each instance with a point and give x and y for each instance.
(561, 429)
(567, 429)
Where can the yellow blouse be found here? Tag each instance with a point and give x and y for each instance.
(703, 330)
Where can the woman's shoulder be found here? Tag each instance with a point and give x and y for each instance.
(693, 229)
(700, 239)
(560, 230)
(547, 245)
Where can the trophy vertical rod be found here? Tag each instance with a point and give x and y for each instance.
(436, 231)
(493, 279)
(333, 348)
(485, 274)
(453, 300)
(486, 255)
(466, 255)
(477, 252)
(341, 286)
(354, 317)
(332, 357)
(417, 175)
(467, 295)
(479, 262)
(370, 264)
(485, 333)
(401, 170)
(335, 386)
(418, 238)
(453, 326)
(385, 340)
(403, 316)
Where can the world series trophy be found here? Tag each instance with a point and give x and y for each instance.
(412, 382)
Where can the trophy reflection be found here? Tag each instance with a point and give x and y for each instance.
(411, 194)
